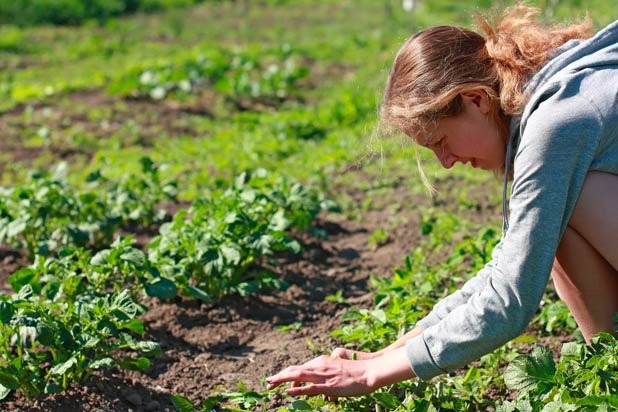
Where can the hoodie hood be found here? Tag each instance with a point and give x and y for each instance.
(574, 55)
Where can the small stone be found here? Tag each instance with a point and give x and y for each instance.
(132, 397)
(100, 385)
(153, 406)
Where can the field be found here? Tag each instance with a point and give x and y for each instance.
(196, 198)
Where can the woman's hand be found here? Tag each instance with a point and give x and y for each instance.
(335, 376)
(327, 375)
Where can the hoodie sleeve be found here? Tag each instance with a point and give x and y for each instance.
(461, 296)
(556, 149)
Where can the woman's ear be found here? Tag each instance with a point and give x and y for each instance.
(478, 98)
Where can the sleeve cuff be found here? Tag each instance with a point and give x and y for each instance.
(419, 357)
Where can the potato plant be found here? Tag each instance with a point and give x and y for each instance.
(217, 246)
(47, 212)
(584, 379)
(45, 344)
(269, 76)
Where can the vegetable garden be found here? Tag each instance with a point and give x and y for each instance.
(194, 198)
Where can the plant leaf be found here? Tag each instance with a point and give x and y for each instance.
(8, 381)
(529, 373)
(4, 392)
(182, 404)
(62, 368)
(161, 288)
(134, 364)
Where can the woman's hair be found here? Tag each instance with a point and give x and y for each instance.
(437, 64)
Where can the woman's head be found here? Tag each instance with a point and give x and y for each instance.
(438, 66)
(430, 72)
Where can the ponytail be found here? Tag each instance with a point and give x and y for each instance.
(519, 46)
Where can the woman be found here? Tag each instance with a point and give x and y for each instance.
(539, 105)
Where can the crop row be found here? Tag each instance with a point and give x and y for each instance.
(47, 211)
(75, 309)
(242, 76)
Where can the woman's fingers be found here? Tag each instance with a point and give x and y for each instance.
(294, 374)
(309, 390)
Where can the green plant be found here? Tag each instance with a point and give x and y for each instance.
(217, 246)
(45, 344)
(76, 271)
(48, 212)
(378, 238)
(585, 378)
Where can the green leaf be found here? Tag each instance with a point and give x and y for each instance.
(379, 315)
(212, 261)
(71, 284)
(161, 288)
(557, 406)
(572, 351)
(264, 244)
(62, 368)
(52, 387)
(300, 405)
(135, 256)
(8, 381)
(4, 392)
(27, 335)
(387, 400)
(6, 311)
(22, 277)
(516, 406)
(149, 348)
(199, 293)
(531, 373)
(107, 327)
(134, 325)
(100, 258)
(45, 334)
(231, 254)
(182, 404)
(135, 364)
(211, 402)
(278, 221)
(102, 363)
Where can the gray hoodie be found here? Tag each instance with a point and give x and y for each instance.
(568, 128)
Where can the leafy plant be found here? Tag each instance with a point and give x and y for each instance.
(217, 246)
(585, 378)
(47, 344)
(76, 271)
(244, 77)
(48, 212)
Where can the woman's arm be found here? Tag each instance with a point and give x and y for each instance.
(350, 354)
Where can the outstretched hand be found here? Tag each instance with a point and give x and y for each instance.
(326, 375)
(339, 376)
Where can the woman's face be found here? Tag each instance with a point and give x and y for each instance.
(470, 136)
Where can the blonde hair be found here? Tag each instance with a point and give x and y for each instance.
(436, 65)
